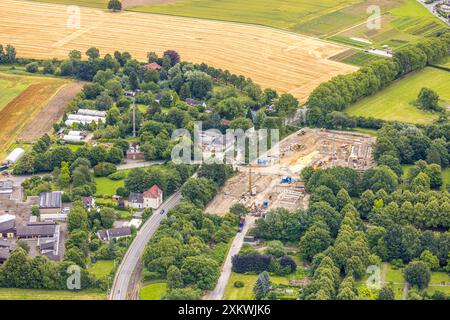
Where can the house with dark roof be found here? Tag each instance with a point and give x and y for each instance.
(153, 197)
(115, 233)
(195, 103)
(136, 200)
(37, 230)
(50, 202)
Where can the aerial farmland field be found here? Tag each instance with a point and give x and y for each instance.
(21, 99)
(272, 58)
(395, 102)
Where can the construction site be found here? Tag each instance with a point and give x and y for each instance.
(274, 180)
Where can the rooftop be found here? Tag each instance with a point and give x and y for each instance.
(36, 230)
(153, 192)
(50, 200)
(136, 197)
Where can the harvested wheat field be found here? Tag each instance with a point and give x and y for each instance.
(21, 110)
(273, 58)
(51, 113)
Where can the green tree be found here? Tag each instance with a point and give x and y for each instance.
(262, 286)
(239, 209)
(200, 271)
(77, 219)
(314, 241)
(114, 5)
(431, 260)
(428, 99)
(386, 293)
(174, 278)
(417, 273)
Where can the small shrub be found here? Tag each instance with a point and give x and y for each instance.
(238, 284)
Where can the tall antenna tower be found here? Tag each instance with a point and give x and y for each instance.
(134, 116)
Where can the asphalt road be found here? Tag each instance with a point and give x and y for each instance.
(130, 260)
(219, 290)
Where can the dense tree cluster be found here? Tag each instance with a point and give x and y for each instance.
(22, 271)
(188, 248)
(7, 54)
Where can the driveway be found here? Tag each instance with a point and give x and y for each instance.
(219, 290)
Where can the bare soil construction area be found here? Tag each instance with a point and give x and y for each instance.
(54, 110)
(273, 58)
(307, 147)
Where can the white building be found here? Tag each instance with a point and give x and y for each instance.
(153, 197)
(14, 156)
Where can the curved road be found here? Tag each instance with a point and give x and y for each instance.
(131, 259)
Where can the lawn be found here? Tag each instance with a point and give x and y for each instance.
(249, 280)
(101, 268)
(395, 102)
(108, 187)
(31, 294)
(154, 291)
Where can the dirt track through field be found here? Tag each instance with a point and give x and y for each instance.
(273, 58)
(54, 110)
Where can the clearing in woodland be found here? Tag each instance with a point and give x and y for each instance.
(273, 58)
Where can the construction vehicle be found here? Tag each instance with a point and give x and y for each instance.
(241, 223)
(287, 179)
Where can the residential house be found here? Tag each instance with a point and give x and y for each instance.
(153, 197)
(50, 202)
(195, 103)
(115, 233)
(136, 200)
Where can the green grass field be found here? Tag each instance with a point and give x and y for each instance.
(108, 187)
(31, 294)
(395, 102)
(154, 291)
(340, 20)
(101, 268)
(402, 21)
(249, 280)
(283, 14)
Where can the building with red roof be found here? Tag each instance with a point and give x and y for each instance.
(153, 197)
(153, 66)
